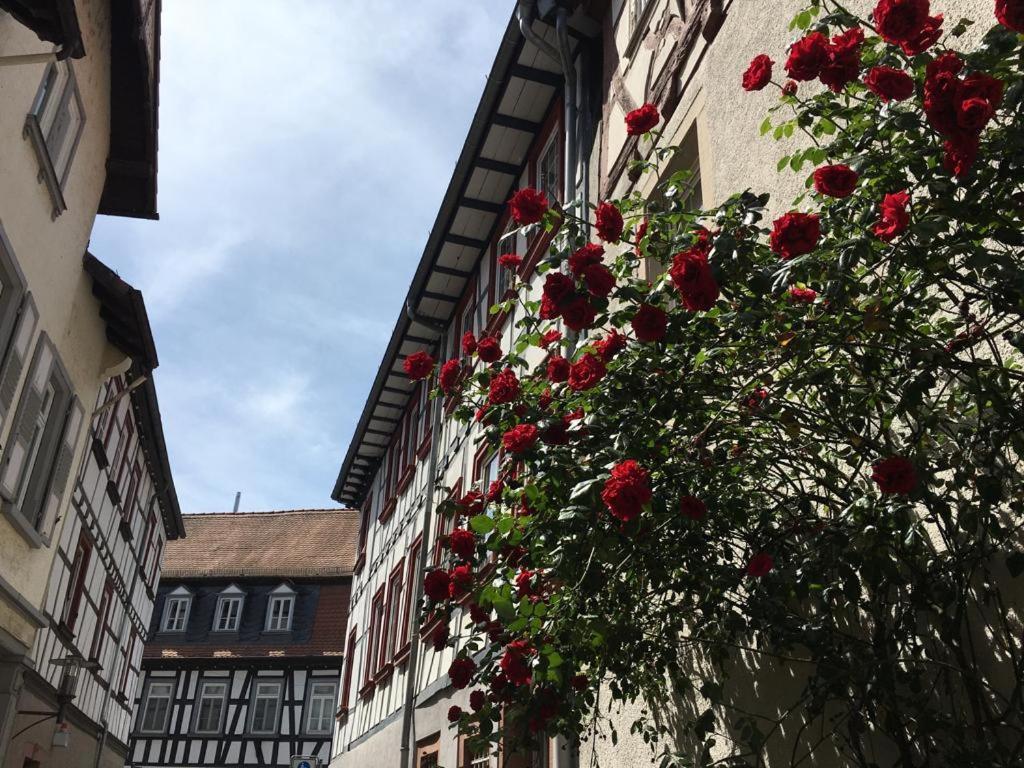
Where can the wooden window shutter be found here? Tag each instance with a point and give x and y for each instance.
(17, 353)
(16, 456)
(61, 469)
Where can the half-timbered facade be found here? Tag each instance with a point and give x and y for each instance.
(78, 131)
(246, 648)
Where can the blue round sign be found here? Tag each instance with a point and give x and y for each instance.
(304, 764)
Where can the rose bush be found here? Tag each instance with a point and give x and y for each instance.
(796, 443)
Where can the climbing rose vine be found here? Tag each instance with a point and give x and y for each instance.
(771, 486)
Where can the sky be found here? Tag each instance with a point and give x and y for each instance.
(305, 146)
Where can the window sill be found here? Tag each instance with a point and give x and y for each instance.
(367, 690)
(99, 453)
(47, 174)
(112, 493)
(224, 634)
(21, 525)
(126, 530)
(433, 622)
(385, 513)
(383, 674)
(402, 655)
(424, 450)
(360, 562)
(341, 716)
(277, 634)
(405, 479)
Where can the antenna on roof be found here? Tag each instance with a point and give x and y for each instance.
(238, 500)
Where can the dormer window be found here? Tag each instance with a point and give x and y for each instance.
(280, 609)
(177, 606)
(229, 610)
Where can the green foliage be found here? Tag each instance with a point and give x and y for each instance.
(888, 615)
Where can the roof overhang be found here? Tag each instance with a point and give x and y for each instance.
(54, 21)
(123, 310)
(130, 188)
(521, 87)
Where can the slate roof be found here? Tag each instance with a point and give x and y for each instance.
(288, 543)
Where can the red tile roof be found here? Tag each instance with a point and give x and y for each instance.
(296, 543)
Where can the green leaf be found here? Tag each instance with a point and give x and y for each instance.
(482, 524)
(766, 125)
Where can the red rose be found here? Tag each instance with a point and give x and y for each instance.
(941, 85)
(598, 279)
(478, 614)
(641, 233)
(519, 438)
(461, 580)
(472, 503)
(691, 275)
(807, 56)
(556, 433)
(510, 261)
(545, 399)
(802, 295)
(524, 583)
(960, 154)
(435, 584)
(586, 372)
(454, 713)
(504, 388)
(418, 365)
(835, 180)
(758, 74)
(1010, 13)
(756, 399)
(591, 253)
(608, 347)
(843, 63)
(515, 662)
(558, 286)
(642, 120)
(468, 343)
(925, 37)
(488, 349)
(461, 672)
(795, 234)
(760, 565)
(608, 222)
(578, 314)
(649, 323)
(462, 543)
(900, 20)
(627, 490)
(528, 206)
(977, 98)
(894, 218)
(449, 376)
(558, 369)
(477, 700)
(889, 83)
(549, 338)
(692, 508)
(789, 88)
(439, 637)
(495, 489)
(579, 682)
(894, 475)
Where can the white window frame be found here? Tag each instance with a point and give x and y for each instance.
(281, 595)
(230, 596)
(278, 688)
(201, 696)
(148, 698)
(172, 621)
(552, 145)
(328, 701)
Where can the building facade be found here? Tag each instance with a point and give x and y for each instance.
(551, 117)
(78, 83)
(245, 650)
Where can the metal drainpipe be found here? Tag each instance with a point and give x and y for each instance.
(408, 709)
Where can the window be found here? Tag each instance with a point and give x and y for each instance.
(210, 707)
(478, 757)
(395, 632)
(229, 610)
(488, 474)
(127, 652)
(265, 706)
(37, 459)
(373, 637)
(17, 323)
(156, 708)
(427, 751)
(279, 609)
(55, 126)
(679, 186)
(483, 295)
(503, 275)
(76, 584)
(102, 617)
(411, 579)
(349, 660)
(423, 413)
(320, 707)
(549, 168)
(177, 606)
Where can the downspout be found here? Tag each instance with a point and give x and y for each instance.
(408, 708)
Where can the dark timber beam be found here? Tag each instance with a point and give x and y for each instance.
(515, 123)
(542, 76)
(481, 205)
(469, 242)
(498, 166)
